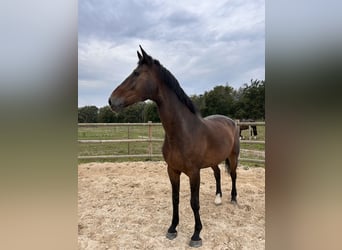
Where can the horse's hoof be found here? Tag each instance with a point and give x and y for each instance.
(218, 200)
(171, 236)
(234, 202)
(195, 243)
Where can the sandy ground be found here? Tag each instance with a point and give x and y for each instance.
(128, 206)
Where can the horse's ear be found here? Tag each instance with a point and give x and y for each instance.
(143, 51)
(146, 58)
(139, 56)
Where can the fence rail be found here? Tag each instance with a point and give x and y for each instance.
(121, 140)
(150, 140)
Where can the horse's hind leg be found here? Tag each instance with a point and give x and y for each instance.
(231, 165)
(217, 174)
(255, 132)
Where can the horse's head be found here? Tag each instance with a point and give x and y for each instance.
(140, 85)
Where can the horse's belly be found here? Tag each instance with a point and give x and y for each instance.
(183, 160)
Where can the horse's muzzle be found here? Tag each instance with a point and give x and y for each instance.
(116, 104)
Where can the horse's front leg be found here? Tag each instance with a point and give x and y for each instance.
(175, 181)
(196, 241)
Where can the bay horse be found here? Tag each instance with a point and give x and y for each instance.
(191, 142)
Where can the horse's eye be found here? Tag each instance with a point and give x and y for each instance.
(135, 73)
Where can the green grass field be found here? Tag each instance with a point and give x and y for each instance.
(141, 132)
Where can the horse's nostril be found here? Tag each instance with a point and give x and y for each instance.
(110, 103)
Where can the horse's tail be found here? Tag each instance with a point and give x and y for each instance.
(227, 165)
(236, 146)
(236, 149)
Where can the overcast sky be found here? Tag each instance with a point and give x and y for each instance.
(203, 43)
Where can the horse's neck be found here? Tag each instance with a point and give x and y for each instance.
(176, 118)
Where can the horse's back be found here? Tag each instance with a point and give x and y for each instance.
(223, 134)
(221, 119)
(221, 122)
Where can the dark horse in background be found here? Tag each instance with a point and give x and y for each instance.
(253, 131)
(191, 142)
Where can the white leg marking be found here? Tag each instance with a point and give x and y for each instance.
(218, 199)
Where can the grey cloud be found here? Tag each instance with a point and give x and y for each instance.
(111, 20)
(202, 44)
(180, 18)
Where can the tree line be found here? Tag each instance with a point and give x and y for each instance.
(247, 102)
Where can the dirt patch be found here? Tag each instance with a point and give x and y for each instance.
(128, 206)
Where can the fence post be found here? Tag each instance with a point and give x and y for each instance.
(237, 123)
(150, 138)
(128, 137)
(250, 132)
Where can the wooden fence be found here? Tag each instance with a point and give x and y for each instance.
(150, 140)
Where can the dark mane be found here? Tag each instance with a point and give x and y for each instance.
(173, 84)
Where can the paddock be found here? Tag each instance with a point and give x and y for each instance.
(128, 205)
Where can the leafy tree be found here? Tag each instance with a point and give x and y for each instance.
(133, 113)
(199, 101)
(218, 101)
(251, 103)
(151, 112)
(106, 115)
(87, 114)
(239, 105)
